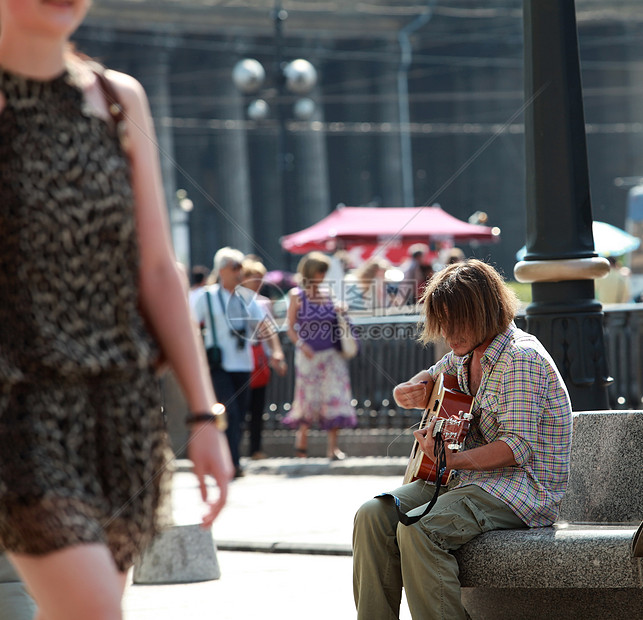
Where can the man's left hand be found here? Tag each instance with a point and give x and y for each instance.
(426, 441)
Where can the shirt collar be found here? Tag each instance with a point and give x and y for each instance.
(498, 345)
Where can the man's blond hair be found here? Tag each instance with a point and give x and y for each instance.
(467, 296)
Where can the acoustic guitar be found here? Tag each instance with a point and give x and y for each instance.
(453, 410)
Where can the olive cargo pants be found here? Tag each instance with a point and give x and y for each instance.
(388, 555)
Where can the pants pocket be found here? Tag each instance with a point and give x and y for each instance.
(463, 521)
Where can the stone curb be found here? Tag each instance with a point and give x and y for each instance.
(355, 466)
(285, 547)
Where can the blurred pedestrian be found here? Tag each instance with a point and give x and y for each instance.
(90, 296)
(366, 291)
(267, 353)
(415, 274)
(338, 267)
(454, 255)
(615, 287)
(322, 381)
(198, 279)
(231, 319)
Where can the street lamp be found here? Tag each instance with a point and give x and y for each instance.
(181, 226)
(185, 204)
(561, 261)
(276, 93)
(298, 77)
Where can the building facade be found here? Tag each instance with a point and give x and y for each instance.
(416, 103)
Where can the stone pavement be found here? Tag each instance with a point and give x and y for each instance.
(283, 542)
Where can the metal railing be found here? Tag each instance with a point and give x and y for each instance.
(624, 344)
(391, 353)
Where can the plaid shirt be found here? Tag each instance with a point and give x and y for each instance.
(523, 402)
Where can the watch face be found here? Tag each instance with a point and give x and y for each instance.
(221, 419)
(218, 409)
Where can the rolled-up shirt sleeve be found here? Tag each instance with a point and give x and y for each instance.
(518, 446)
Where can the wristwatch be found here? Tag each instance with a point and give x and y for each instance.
(217, 415)
(220, 416)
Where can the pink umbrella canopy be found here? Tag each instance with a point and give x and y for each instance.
(388, 231)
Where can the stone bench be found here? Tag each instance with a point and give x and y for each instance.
(582, 567)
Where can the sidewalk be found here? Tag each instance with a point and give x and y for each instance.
(283, 541)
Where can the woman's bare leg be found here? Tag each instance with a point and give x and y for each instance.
(301, 441)
(333, 452)
(76, 583)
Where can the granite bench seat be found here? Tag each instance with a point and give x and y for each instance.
(582, 567)
(568, 555)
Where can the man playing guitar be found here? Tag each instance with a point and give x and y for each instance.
(512, 471)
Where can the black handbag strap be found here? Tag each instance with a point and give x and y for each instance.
(114, 105)
(220, 295)
(212, 323)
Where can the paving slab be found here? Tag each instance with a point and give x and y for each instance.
(256, 585)
(314, 511)
(283, 544)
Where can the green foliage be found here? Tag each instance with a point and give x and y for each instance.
(523, 291)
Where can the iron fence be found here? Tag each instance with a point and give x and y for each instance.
(391, 353)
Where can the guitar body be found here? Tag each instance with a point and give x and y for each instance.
(453, 410)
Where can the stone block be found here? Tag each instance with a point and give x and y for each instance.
(606, 480)
(553, 603)
(564, 556)
(583, 566)
(180, 554)
(15, 602)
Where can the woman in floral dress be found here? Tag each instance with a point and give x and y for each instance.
(322, 381)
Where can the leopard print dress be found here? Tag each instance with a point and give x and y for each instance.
(83, 450)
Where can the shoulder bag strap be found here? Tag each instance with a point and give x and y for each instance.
(212, 323)
(222, 304)
(303, 302)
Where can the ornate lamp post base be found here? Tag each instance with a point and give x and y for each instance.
(561, 262)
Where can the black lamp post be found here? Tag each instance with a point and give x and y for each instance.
(561, 262)
(180, 223)
(277, 96)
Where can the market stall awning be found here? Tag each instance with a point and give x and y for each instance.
(388, 230)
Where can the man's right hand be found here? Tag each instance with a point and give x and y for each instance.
(414, 394)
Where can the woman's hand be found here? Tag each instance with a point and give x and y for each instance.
(341, 308)
(307, 350)
(278, 363)
(209, 452)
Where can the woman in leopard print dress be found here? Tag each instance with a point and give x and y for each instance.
(85, 267)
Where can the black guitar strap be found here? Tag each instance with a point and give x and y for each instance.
(413, 516)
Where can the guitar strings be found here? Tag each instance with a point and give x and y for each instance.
(402, 433)
(410, 428)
